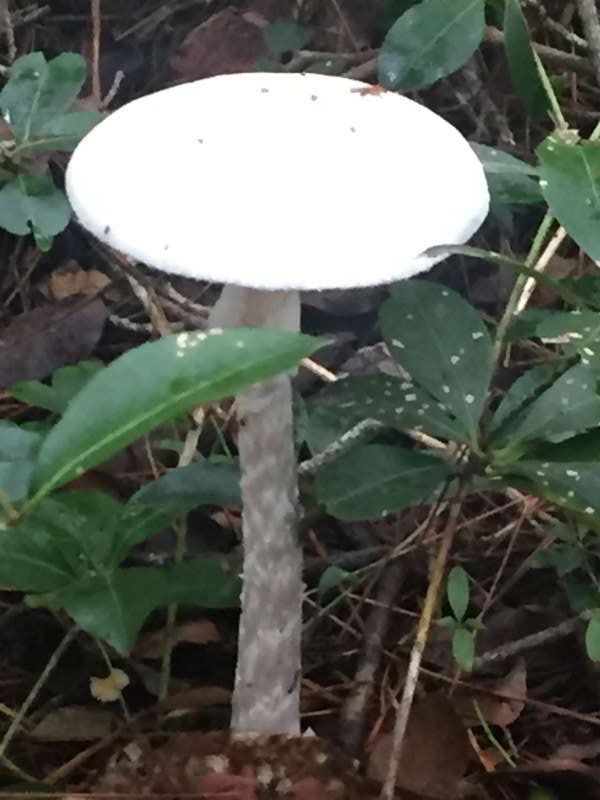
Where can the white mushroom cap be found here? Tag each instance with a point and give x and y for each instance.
(278, 181)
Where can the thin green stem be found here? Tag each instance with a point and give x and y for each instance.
(532, 257)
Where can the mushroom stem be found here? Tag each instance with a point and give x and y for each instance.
(266, 697)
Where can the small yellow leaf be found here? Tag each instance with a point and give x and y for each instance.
(109, 689)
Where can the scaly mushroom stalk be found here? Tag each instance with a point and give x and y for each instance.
(267, 682)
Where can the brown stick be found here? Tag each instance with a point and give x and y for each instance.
(416, 656)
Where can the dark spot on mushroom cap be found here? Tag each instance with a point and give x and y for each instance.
(353, 129)
(314, 97)
(201, 141)
(107, 229)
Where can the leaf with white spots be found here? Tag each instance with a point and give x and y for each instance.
(155, 382)
(571, 405)
(442, 342)
(573, 485)
(570, 182)
(575, 332)
(395, 402)
(373, 479)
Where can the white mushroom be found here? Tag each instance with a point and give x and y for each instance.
(271, 184)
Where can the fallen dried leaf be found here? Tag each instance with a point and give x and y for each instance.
(71, 280)
(227, 42)
(200, 631)
(37, 342)
(435, 755)
(495, 710)
(200, 697)
(75, 724)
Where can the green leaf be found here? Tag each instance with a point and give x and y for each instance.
(286, 36)
(463, 647)
(154, 383)
(38, 91)
(373, 480)
(444, 345)
(573, 485)
(391, 401)
(330, 579)
(458, 592)
(577, 332)
(18, 448)
(509, 180)
(66, 383)
(32, 204)
(113, 606)
(170, 497)
(571, 405)
(64, 538)
(430, 41)
(63, 132)
(522, 62)
(570, 181)
(206, 582)
(522, 392)
(592, 637)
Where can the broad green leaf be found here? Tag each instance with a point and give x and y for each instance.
(522, 392)
(571, 405)
(391, 401)
(522, 62)
(18, 448)
(158, 504)
(509, 180)
(374, 480)
(63, 132)
(285, 36)
(458, 592)
(33, 204)
(38, 91)
(429, 41)
(442, 342)
(64, 538)
(592, 637)
(570, 181)
(463, 647)
(577, 332)
(206, 581)
(66, 383)
(585, 289)
(573, 485)
(113, 606)
(388, 12)
(154, 383)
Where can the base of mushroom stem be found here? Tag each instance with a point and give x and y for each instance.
(240, 767)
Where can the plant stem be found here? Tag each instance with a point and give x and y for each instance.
(532, 257)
